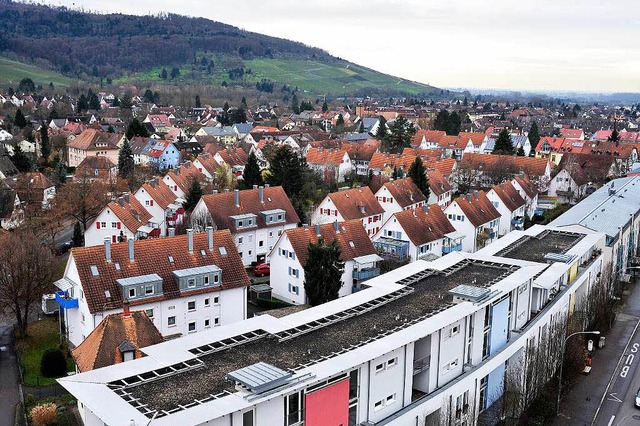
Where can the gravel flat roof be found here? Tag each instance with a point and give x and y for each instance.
(534, 249)
(430, 295)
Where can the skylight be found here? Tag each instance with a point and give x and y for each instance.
(223, 250)
(94, 270)
(170, 259)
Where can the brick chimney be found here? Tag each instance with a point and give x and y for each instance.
(126, 312)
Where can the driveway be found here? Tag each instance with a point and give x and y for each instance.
(9, 390)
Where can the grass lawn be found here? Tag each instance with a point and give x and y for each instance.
(11, 72)
(42, 335)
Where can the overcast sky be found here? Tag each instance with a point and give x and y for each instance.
(583, 45)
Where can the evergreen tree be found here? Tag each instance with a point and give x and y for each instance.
(20, 160)
(175, 73)
(400, 134)
(148, 96)
(60, 172)
(295, 106)
(503, 144)
(45, 145)
(78, 235)
(615, 136)
(382, 129)
(325, 107)
(237, 116)
(251, 174)
(194, 195)
(441, 122)
(198, 104)
(361, 127)
(163, 74)
(26, 85)
(125, 161)
(82, 104)
(136, 128)
(520, 151)
(454, 124)
(94, 102)
(418, 174)
(323, 272)
(20, 120)
(225, 107)
(243, 103)
(340, 121)
(290, 171)
(534, 135)
(126, 102)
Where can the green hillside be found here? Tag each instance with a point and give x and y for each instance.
(11, 72)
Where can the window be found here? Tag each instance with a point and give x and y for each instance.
(149, 313)
(378, 405)
(207, 323)
(114, 225)
(260, 243)
(103, 224)
(454, 330)
(132, 292)
(148, 289)
(206, 280)
(83, 318)
(293, 408)
(216, 279)
(192, 327)
(240, 225)
(379, 367)
(216, 321)
(240, 239)
(392, 362)
(216, 300)
(147, 203)
(191, 305)
(191, 283)
(206, 302)
(171, 321)
(390, 399)
(248, 418)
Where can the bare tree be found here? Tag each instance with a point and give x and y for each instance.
(26, 268)
(465, 177)
(84, 199)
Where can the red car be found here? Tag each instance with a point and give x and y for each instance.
(262, 269)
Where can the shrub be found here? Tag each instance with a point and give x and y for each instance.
(45, 414)
(53, 363)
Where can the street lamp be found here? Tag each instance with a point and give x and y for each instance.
(564, 344)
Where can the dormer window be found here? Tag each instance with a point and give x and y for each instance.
(191, 283)
(132, 292)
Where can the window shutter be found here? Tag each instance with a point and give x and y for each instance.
(97, 225)
(118, 225)
(152, 202)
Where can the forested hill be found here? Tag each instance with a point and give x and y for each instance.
(81, 44)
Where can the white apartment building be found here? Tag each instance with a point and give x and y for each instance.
(289, 256)
(185, 284)
(256, 218)
(475, 217)
(428, 343)
(398, 195)
(355, 203)
(511, 206)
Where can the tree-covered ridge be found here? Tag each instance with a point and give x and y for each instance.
(75, 41)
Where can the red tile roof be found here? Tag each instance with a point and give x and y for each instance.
(352, 202)
(509, 195)
(183, 176)
(405, 192)
(222, 205)
(477, 208)
(130, 212)
(92, 139)
(325, 157)
(351, 231)
(152, 257)
(382, 161)
(423, 227)
(363, 151)
(438, 184)
(527, 186)
(234, 156)
(531, 166)
(159, 192)
(101, 348)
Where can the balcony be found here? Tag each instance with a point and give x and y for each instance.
(422, 364)
(65, 301)
(451, 249)
(366, 274)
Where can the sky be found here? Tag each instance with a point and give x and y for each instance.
(545, 45)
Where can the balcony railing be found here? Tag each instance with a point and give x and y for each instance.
(451, 249)
(65, 301)
(366, 274)
(422, 364)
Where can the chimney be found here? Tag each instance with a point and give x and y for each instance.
(190, 240)
(261, 193)
(187, 163)
(210, 237)
(255, 186)
(126, 312)
(305, 226)
(226, 190)
(171, 232)
(236, 197)
(121, 201)
(362, 209)
(153, 183)
(131, 255)
(266, 185)
(178, 170)
(107, 249)
(126, 198)
(317, 225)
(475, 194)
(336, 227)
(214, 191)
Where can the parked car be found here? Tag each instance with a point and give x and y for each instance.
(64, 247)
(262, 269)
(637, 403)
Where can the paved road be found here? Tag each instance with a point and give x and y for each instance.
(9, 391)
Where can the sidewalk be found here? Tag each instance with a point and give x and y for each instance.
(579, 405)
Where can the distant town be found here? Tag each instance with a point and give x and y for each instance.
(353, 261)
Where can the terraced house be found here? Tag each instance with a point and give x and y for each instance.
(428, 343)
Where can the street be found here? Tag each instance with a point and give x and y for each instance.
(9, 391)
